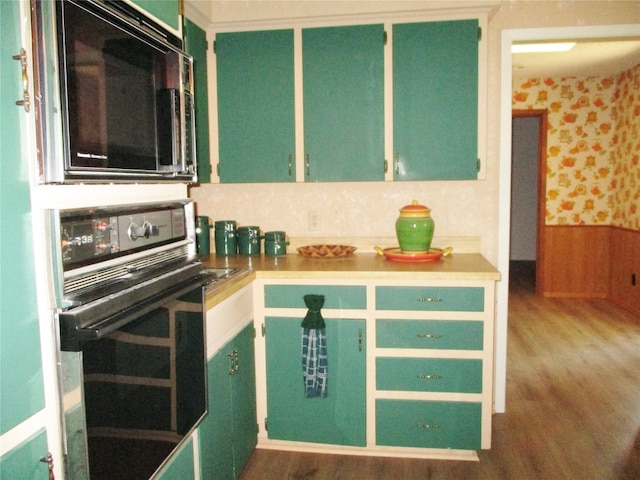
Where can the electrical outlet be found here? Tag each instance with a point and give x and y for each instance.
(314, 221)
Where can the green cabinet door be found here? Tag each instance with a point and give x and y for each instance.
(343, 92)
(228, 434)
(23, 461)
(428, 424)
(196, 45)
(216, 448)
(21, 381)
(435, 100)
(243, 395)
(340, 417)
(167, 11)
(256, 107)
(181, 464)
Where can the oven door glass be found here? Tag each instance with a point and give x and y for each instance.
(144, 390)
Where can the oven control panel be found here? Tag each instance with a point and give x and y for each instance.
(93, 235)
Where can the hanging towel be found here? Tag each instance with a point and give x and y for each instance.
(314, 348)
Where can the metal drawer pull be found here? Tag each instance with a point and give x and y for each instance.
(429, 376)
(308, 164)
(290, 164)
(26, 100)
(428, 335)
(359, 339)
(434, 426)
(429, 299)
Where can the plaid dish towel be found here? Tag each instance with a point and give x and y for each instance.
(314, 348)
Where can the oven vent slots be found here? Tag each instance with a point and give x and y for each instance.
(124, 270)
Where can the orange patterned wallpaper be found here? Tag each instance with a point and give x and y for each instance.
(593, 146)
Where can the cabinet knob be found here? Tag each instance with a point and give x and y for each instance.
(308, 164)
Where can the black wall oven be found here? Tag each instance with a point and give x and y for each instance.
(123, 86)
(131, 325)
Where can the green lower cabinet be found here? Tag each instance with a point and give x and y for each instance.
(340, 417)
(180, 465)
(430, 334)
(228, 434)
(428, 424)
(429, 374)
(23, 462)
(336, 296)
(430, 299)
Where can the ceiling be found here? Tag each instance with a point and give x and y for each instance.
(587, 58)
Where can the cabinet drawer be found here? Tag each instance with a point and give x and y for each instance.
(429, 374)
(432, 334)
(452, 299)
(409, 423)
(336, 296)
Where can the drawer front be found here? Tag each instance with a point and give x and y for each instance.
(435, 299)
(432, 334)
(429, 374)
(336, 296)
(409, 423)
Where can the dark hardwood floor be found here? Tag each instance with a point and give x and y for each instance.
(573, 404)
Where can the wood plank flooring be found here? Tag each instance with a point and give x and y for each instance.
(573, 404)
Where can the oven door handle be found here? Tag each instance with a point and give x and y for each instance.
(73, 335)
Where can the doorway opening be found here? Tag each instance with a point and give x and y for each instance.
(528, 187)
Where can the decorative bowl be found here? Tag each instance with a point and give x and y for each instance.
(326, 251)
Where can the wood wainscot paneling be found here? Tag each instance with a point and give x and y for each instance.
(625, 268)
(575, 261)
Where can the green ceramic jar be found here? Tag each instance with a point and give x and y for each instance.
(414, 228)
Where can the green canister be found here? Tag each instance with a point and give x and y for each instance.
(275, 243)
(414, 228)
(203, 233)
(249, 240)
(225, 233)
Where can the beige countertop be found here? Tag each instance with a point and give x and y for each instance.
(457, 266)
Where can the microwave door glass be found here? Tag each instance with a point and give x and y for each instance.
(113, 82)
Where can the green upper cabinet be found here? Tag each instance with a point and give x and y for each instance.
(343, 92)
(196, 46)
(21, 380)
(435, 100)
(256, 107)
(168, 11)
(333, 101)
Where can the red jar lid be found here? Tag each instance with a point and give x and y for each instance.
(415, 210)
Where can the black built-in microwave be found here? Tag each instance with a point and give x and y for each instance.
(117, 87)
